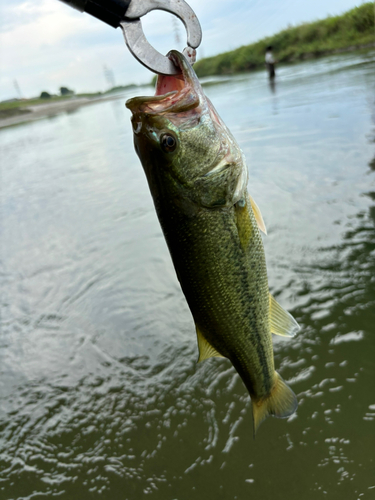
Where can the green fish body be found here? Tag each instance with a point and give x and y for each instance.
(197, 176)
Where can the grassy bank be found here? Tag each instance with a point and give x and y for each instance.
(22, 106)
(355, 28)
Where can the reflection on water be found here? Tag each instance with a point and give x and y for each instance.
(272, 84)
(100, 393)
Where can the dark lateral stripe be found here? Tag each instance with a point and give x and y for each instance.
(262, 358)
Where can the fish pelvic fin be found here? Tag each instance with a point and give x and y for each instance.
(281, 403)
(258, 215)
(205, 348)
(281, 322)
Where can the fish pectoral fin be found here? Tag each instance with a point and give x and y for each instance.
(205, 348)
(281, 322)
(258, 215)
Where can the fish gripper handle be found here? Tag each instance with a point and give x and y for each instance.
(108, 11)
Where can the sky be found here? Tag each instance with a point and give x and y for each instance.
(45, 44)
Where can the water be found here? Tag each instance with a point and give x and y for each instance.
(101, 396)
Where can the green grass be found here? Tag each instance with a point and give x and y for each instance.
(352, 29)
(24, 103)
(20, 107)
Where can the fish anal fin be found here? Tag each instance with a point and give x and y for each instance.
(258, 215)
(205, 348)
(281, 322)
(281, 403)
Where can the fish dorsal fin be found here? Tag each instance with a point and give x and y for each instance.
(258, 216)
(281, 322)
(205, 349)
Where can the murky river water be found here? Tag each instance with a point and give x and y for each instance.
(101, 396)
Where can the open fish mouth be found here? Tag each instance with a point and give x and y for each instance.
(174, 94)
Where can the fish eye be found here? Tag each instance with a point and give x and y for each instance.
(168, 143)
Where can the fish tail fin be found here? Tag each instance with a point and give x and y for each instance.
(282, 402)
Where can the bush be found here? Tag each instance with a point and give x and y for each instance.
(66, 91)
(45, 95)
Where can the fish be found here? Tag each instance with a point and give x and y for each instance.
(198, 178)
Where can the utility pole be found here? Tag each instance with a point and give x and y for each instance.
(109, 76)
(17, 87)
(176, 28)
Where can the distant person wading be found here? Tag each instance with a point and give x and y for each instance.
(270, 62)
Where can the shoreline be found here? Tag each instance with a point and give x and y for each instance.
(39, 111)
(332, 52)
(292, 59)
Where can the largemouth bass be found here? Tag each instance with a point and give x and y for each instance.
(198, 176)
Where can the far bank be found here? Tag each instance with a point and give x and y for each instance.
(352, 30)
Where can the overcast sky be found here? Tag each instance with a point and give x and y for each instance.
(44, 44)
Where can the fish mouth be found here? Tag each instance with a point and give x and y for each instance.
(174, 94)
